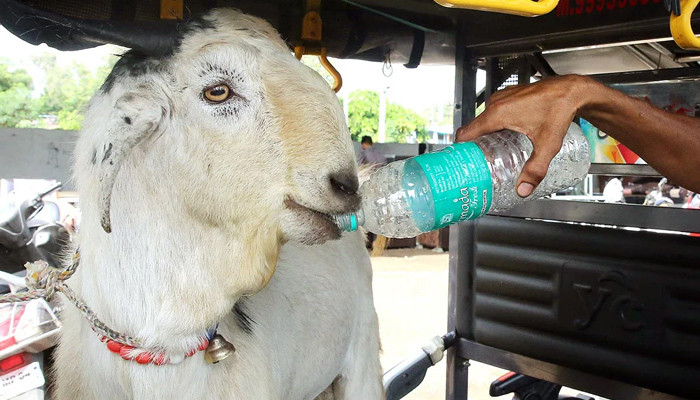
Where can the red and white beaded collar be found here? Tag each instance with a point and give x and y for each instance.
(44, 280)
(144, 356)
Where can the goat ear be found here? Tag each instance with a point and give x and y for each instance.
(134, 118)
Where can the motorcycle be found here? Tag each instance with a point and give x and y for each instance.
(524, 387)
(26, 236)
(29, 231)
(407, 375)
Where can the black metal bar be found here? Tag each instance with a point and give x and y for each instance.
(465, 88)
(541, 65)
(492, 77)
(555, 373)
(465, 109)
(460, 300)
(499, 71)
(480, 97)
(628, 215)
(460, 295)
(670, 74)
(524, 70)
(561, 37)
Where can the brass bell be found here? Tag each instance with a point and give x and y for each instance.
(218, 349)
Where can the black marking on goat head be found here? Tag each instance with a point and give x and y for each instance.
(139, 62)
(131, 64)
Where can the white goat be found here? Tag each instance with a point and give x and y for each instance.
(213, 167)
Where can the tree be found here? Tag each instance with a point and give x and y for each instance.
(402, 123)
(363, 114)
(69, 89)
(17, 108)
(440, 114)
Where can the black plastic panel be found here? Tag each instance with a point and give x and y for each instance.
(620, 304)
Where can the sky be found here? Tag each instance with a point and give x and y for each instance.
(417, 89)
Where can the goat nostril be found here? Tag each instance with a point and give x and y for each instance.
(345, 183)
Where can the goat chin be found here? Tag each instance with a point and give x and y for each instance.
(308, 226)
(185, 218)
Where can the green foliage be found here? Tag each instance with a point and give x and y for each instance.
(68, 89)
(441, 114)
(401, 122)
(66, 94)
(16, 78)
(16, 105)
(363, 114)
(71, 120)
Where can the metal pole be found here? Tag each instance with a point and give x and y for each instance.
(524, 70)
(381, 131)
(465, 109)
(492, 77)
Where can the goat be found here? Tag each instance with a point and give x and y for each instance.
(206, 179)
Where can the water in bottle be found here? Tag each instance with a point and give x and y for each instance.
(461, 182)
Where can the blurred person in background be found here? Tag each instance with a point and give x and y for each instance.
(370, 156)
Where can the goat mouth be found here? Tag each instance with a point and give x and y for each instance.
(323, 222)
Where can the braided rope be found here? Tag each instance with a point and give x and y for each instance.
(44, 280)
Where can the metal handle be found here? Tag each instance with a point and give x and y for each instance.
(680, 26)
(53, 188)
(300, 51)
(525, 8)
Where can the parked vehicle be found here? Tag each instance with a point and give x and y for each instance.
(27, 331)
(524, 387)
(29, 231)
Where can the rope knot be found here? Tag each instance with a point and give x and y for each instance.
(43, 277)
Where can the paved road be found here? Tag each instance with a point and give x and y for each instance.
(410, 295)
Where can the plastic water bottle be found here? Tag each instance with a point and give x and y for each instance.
(461, 182)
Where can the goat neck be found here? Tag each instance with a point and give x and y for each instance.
(161, 275)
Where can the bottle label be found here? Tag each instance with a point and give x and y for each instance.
(460, 182)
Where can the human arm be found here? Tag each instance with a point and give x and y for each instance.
(543, 110)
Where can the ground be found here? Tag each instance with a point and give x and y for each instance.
(410, 295)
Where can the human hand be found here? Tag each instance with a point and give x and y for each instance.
(541, 111)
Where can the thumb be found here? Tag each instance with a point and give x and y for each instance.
(535, 169)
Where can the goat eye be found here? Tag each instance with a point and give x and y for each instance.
(217, 94)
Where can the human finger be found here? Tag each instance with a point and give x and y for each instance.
(536, 167)
(486, 123)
